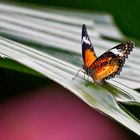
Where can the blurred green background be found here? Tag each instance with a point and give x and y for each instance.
(125, 12)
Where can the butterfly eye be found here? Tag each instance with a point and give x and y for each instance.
(84, 67)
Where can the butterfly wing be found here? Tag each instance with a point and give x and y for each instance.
(111, 62)
(87, 48)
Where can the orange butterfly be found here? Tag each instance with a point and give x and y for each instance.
(108, 64)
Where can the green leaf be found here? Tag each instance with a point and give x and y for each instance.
(52, 54)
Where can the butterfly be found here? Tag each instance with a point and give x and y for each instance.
(108, 64)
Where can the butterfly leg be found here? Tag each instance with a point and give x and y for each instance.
(78, 73)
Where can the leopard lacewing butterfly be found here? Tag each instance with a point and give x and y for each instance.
(108, 64)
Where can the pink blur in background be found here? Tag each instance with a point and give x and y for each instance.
(53, 113)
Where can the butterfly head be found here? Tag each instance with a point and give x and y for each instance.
(86, 69)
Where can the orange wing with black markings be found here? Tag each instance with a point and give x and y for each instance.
(88, 53)
(108, 64)
(111, 62)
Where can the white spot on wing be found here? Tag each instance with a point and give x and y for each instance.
(85, 39)
(117, 52)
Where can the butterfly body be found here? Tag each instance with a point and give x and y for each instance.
(108, 64)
